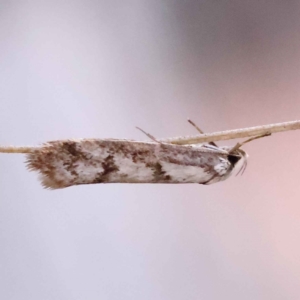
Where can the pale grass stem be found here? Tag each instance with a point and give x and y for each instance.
(257, 131)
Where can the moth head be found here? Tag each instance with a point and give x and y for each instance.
(238, 159)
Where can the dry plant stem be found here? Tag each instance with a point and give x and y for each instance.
(203, 138)
(234, 134)
(12, 149)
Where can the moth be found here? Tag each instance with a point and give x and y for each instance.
(67, 163)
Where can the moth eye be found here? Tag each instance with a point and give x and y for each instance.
(233, 159)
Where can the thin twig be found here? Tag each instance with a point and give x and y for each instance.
(203, 138)
(234, 134)
(13, 149)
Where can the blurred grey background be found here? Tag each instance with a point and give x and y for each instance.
(71, 69)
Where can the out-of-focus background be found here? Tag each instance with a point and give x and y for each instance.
(71, 69)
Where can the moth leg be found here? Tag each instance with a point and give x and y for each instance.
(201, 132)
(209, 180)
(239, 145)
(150, 136)
(194, 124)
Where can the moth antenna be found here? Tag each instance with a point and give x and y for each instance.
(239, 145)
(200, 130)
(150, 136)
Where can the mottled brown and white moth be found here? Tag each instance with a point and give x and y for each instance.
(66, 163)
